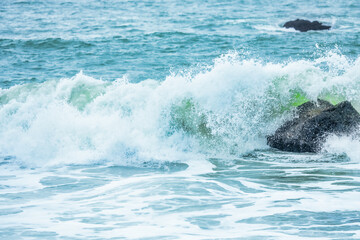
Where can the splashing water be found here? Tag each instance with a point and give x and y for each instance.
(179, 155)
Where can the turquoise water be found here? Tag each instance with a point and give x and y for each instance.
(148, 120)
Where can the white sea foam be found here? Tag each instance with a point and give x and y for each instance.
(344, 144)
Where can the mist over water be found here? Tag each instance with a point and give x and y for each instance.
(148, 120)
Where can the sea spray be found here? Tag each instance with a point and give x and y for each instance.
(225, 109)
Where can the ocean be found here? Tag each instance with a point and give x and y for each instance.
(126, 119)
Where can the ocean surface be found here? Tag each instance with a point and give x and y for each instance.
(148, 120)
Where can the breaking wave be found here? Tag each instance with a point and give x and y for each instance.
(224, 109)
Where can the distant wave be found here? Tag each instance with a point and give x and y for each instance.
(56, 43)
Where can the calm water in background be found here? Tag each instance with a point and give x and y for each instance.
(148, 120)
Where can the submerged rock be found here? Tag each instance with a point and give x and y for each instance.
(315, 121)
(305, 25)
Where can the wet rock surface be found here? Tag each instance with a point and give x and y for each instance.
(315, 121)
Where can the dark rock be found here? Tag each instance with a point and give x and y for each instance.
(315, 122)
(305, 25)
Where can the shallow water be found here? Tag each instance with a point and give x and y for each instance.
(148, 120)
(262, 195)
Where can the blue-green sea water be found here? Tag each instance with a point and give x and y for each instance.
(148, 119)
